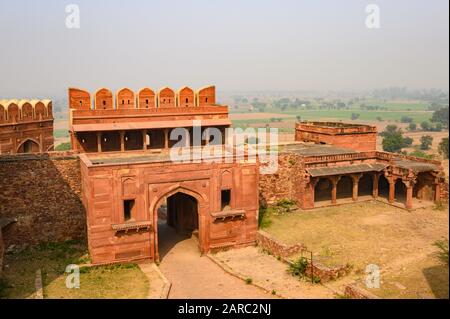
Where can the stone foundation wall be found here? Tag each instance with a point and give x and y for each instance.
(276, 248)
(354, 292)
(43, 192)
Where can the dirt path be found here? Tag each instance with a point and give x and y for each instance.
(193, 276)
(270, 273)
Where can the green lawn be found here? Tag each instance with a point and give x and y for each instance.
(117, 281)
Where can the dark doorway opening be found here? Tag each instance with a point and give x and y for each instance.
(365, 185)
(344, 188)
(322, 191)
(29, 146)
(400, 191)
(383, 187)
(177, 221)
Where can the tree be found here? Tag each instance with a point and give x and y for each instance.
(407, 141)
(443, 147)
(406, 119)
(438, 127)
(425, 125)
(393, 140)
(425, 142)
(440, 116)
(412, 126)
(299, 118)
(355, 116)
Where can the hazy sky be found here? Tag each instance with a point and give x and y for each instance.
(236, 45)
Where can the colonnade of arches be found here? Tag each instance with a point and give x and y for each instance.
(335, 189)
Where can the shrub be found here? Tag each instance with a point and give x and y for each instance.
(407, 141)
(355, 116)
(443, 147)
(442, 245)
(420, 154)
(425, 125)
(298, 268)
(412, 127)
(425, 142)
(248, 281)
(406, 119)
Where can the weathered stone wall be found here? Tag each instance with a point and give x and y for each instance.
(354, 292)
(43, 192)
(284, 183)
(276, 248)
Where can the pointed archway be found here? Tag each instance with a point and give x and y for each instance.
(177, 215)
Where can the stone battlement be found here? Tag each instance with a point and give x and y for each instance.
(145, 98)
(19, 111)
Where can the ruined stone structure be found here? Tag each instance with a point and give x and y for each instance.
(318, 174)
(26, 126)
(355, 136)
(127, 173)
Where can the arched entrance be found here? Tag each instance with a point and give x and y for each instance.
(29, 146)
(383, 187)
(400, 191)
(344, 188)
(178, 220)
(365, 185)
(322, 190)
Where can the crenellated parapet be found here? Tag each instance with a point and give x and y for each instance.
(26, 126)
(19, 111)
(145, 98)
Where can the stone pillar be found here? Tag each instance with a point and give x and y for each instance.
(99, 142)
(375, 180)
(409, 195)
(334, 181)
(355, 179)
(391, 190)
(122, 141)
(437, 193)
(206, 131)
(166, 138)
(309, 187)
(144, 140)
(41, 143)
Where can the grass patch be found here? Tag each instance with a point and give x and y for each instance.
(114, 281)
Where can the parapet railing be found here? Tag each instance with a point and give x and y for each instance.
(150, 111)
(321, 127)
(339, 157)
(389, 157)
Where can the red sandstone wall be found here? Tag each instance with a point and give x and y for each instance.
(106, 188)
(43, 193)
(359, 142)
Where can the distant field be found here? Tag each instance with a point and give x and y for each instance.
(343, 115)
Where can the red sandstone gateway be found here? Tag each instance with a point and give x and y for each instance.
(131, 184)
(128, 175)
